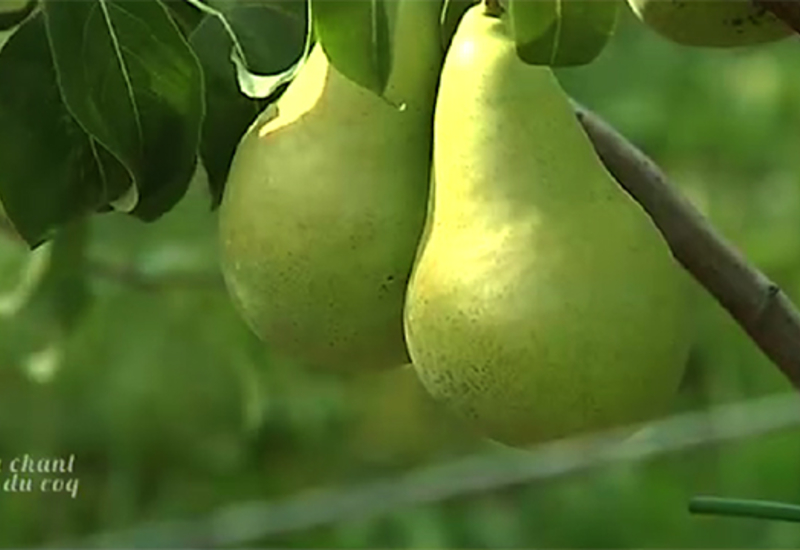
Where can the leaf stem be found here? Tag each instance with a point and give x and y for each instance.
(787, 11)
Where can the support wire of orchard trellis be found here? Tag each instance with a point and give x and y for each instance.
(243, 523)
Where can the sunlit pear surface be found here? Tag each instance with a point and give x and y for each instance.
(325, 203)
(544, 302)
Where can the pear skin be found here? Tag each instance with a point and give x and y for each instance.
(711, 23)
(325, 203)
(396, 423)
(12, 6)
(544, 302)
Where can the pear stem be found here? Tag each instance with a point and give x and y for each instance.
(750, 297)
(493, 8)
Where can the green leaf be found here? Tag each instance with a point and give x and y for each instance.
(562, 33)
(355, 35)
(49, 174)
(187, 16)
(271, 44)
(14, 12)
(228, 111)
(133, 83)
(288, 8)
(264, 86)
(255, 52)
(271, 36)
(272, 40)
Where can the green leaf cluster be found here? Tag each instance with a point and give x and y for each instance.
(109, 104)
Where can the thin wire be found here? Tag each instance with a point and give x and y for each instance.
(238, 524)
(758, 509)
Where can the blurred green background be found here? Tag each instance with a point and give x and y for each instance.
(172, 409)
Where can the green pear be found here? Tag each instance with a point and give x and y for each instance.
(711, 23)
(325, 203)
(396, 423)
(12, 6)
(544, 302)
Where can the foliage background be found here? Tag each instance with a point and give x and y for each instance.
(173, 409)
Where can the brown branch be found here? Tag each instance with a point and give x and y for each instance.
(787, 11)
(753, 300)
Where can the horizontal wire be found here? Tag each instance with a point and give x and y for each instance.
(241, 523)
